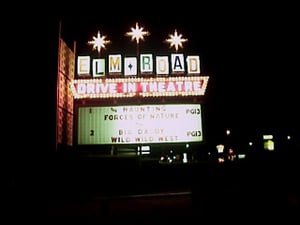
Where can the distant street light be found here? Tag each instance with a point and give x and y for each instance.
(227, 132)
(228, 140)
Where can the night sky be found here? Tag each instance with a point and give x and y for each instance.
(249, 52)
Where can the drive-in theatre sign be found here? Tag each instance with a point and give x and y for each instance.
(155, 98)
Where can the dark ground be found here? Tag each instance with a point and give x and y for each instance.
(85, 190)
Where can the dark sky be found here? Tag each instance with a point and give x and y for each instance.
(248, 50)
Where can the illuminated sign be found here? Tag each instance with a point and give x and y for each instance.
(177, 63)
(144, 87)
(133, 124)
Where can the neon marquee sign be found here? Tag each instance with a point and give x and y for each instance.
(143, 87)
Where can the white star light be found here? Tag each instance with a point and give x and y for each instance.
(137, 33)
(176, 40)
(99, 42)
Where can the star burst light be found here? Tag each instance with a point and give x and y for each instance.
(176, 40)
(99, 42)
(137, 33)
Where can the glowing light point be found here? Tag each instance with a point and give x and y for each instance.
(99, 42)
(176, 40)
(137, 33)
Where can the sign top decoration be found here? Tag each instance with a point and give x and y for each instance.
(176, 40)
(99, 42)
(137, 33)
